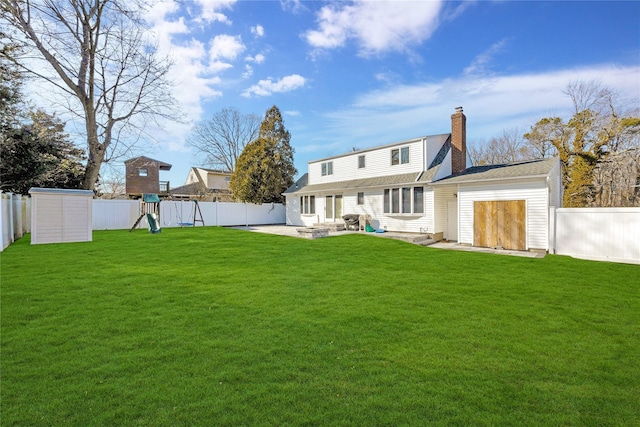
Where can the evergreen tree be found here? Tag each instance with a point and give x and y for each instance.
(265, 168)
(39, 154)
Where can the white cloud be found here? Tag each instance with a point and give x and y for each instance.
(294, 6)
(258, 59)
(258, 30)
(480, 63)
(491, 103)
(210, 10)
(248, 71)
(267, 87)
(224, 46)
(376, 26)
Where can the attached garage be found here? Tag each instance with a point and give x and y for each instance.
(506, 206)
(500, 224)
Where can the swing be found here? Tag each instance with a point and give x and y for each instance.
(196, 210)
(180, 222)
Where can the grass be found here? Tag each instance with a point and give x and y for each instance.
(213, 326)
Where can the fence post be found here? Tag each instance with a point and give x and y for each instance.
(552, 229)
(11, 226)
(1, 221)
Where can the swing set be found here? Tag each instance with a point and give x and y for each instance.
(150, 208)
(194, 218)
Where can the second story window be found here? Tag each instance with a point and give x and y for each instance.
(143, 172)
(327, 168)
(361, 162)
(400, 156)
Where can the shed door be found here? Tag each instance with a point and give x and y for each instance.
(500, 224)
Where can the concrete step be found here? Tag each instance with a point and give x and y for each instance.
(332, 226)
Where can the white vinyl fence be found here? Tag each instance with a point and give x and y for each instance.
(15, 217)
(604, 234)
(122, 214)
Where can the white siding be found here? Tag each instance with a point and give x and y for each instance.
(555, 186)
(429, 209)
(445, 168)
(76, 220)
(433, 146)
(219, 182)
(191, 177)
(374, 207)
(61, 216)
(442, 196)
(377, 163)
(534, 192)
(293, 215)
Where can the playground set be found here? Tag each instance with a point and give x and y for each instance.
(150, 208)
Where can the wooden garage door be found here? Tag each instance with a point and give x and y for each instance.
(500, 224)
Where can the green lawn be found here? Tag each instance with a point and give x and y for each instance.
(214, 326)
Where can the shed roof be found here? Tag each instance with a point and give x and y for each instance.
(61, 191)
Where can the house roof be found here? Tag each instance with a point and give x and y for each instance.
(380, 181)
(522, 169)
(161, 165)
(196, 189)
(214, 171)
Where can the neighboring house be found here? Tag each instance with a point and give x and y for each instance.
(207, 185)
(424, 186)
(143, 176)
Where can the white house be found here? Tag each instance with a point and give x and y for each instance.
(424, 185)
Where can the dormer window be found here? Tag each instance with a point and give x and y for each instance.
(327, 168)
(143, 172)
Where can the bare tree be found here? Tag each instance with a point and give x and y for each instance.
(506, 148)
(95, 53)
(221, 139)
(477, 152)
(589, 95)
(112, 184)
(597, 146)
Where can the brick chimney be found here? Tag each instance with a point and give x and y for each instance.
(458, 141)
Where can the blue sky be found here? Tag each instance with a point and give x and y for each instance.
(364, 73)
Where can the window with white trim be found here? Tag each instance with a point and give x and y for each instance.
(403, 200)
(143, 172)
(327, 168)
(361, 162)
(307, 205)
(361, 198)
(399, 156)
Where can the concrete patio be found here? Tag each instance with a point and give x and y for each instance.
(415, 238)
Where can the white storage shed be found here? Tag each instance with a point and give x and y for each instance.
(61, 215)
